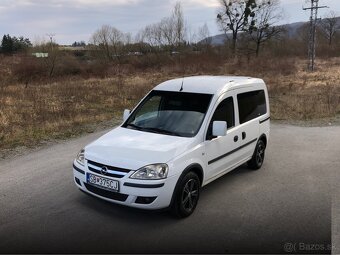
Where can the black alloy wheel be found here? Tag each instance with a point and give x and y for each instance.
(186, 195)
(257, 160)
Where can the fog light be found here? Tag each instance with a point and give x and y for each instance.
(77, 181)
(145, 200)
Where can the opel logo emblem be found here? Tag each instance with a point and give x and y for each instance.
(103, 170)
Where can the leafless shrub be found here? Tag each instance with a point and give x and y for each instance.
(29, 69)
(69, 66)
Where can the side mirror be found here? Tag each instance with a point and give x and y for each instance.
(126, 114)
(219, 128)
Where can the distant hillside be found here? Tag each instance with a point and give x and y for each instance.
(292, 30)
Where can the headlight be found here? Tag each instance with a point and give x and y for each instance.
(151, 172)
(81, 157)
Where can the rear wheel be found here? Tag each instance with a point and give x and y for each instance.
(186, 195)
(256, 161)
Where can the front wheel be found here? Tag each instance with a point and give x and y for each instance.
(256, 161)
(186, 195)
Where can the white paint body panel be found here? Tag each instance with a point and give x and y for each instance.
(132, 149)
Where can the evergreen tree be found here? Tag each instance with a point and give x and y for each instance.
(10, 45)
(7, 44)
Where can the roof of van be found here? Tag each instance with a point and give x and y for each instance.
(208, 84)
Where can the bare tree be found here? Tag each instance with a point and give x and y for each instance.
(48, 62)
(192, 36)
(178, 22)
(151, 35)
(101, 39)
(111, 41)
(262, 26)
(117, 39)
(329, 26)
(52, 49)
(168, 33)
(52, 57)
(233, 16)
(173, 28)
(204, 37)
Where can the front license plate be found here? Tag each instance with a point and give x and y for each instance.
(102, 182)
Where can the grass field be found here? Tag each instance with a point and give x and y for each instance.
(69, 106)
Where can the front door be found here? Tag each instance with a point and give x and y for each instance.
(221, 152)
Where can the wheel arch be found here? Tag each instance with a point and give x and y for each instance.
(197, 169)
(263, 137)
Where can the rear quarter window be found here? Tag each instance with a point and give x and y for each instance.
(251, 105)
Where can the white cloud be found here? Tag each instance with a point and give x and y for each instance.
(74, 20)
(105, 2)
(65, 3)
(206, 3)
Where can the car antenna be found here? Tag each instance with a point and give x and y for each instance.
(181, 89)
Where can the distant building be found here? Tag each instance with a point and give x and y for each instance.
(40, 55)
(72, 48)
(136, 53)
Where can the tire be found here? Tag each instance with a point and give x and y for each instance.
(257, 160)
(186, 195)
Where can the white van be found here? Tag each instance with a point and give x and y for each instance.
(184, 134)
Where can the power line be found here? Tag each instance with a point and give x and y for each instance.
(312, 32)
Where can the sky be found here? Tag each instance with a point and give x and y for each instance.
(77, 20)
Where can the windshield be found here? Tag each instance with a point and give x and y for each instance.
(170, 113)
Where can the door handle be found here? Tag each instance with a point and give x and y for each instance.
(235, 138)
(244, 135)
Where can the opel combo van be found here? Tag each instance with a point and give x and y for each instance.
(184, 134)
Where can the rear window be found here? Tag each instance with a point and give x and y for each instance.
(251, 105)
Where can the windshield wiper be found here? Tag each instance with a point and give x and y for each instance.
(161, 131)
(134, 126)
(153, 130)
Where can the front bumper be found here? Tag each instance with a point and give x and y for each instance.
(144, 194)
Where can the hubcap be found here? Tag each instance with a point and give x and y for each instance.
(260, 154)
(190, 195)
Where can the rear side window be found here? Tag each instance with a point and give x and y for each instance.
(251, 105)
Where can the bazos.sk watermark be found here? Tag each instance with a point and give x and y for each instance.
(297, 247)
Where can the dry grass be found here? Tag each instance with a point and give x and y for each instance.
(63, 107)
(304, 95)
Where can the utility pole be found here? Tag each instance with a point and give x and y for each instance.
(312, 32)
(52, 55)
(51, 39)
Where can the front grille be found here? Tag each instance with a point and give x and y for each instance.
(105, 193)
(112, 171)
